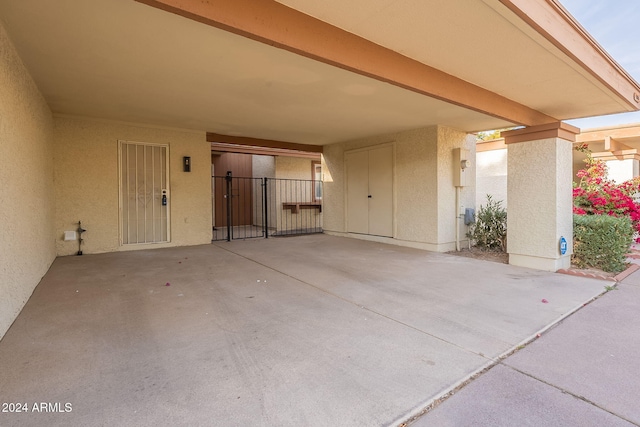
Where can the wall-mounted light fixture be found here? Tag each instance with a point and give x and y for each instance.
(460, 164)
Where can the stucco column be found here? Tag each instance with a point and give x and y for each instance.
(539, 190)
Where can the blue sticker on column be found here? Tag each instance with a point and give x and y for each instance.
(563, 246)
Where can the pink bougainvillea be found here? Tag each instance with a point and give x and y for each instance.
(596, 194)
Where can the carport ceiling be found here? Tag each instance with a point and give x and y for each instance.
(124, 60)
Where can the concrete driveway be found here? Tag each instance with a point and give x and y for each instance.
(583, 372)
(313, 330)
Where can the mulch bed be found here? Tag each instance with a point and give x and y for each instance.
(477, 253)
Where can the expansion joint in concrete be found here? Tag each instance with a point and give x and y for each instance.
(356, 304)
(565, 391)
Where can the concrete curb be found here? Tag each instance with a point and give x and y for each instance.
(617, 278)
(580, 273)
(632, 269)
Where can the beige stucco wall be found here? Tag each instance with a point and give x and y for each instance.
(333, 188)
(540, 212)
(491, 175)
(87, 188)
(448, 211)
(263, 166)
(424, 195)
(26, 175)
(293, 168)
(416, 192)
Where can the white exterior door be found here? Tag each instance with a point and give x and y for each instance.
(144, 193)
(370, 191)
(381, 191)
(357, 192)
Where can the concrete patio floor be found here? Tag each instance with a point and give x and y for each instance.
(311, 330)
(582, 372)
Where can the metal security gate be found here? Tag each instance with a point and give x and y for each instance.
(144, 193)
(245, 208)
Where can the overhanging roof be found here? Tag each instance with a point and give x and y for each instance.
(314, 72)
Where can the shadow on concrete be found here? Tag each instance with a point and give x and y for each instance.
(311, 330)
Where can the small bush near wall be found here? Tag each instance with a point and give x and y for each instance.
(489, 231)
(601, 241)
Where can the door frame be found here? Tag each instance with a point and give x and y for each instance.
(391, 144)
(121, 142)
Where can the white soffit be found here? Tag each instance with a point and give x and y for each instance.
(123, 60)
(482, 42)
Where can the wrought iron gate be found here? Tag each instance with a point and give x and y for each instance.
(245, 208)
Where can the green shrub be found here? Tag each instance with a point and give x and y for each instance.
(489, 231)
(601, 241)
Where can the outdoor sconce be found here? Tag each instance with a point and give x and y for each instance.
(460, 163)
(186, 164)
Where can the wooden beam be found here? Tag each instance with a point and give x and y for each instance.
(617, 155)
(496, 144)
(618, 133)
(257, 142)
(277, 25)
(532, 133)
(262, 151)
(613, 145)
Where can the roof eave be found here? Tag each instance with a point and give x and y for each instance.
(551, 20)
